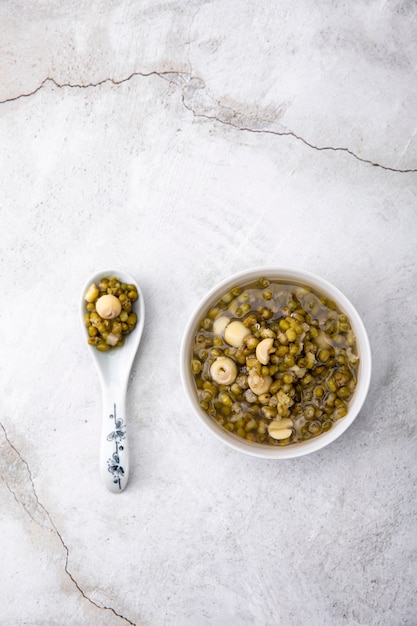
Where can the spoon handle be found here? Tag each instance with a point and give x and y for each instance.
(114, 449)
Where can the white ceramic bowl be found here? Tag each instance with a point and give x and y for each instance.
(364, 373)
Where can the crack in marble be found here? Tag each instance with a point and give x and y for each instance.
(19, 483)
(289, 133)
(11, 463)
(114, 81)
(172, 77)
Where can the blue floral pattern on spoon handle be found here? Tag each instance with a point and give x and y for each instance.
(117, 435)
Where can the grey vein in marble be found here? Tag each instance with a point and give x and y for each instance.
(223, 115)
(16, 475)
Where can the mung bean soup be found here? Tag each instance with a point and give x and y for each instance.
(274, 362)
(109, 312)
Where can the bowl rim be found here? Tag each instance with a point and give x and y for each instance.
(364, 374)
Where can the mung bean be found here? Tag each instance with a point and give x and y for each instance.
(313, 364)
(99, 329)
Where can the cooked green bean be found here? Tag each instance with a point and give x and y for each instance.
(105, 333)
(306, 375)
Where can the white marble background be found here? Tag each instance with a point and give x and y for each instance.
(184, 141)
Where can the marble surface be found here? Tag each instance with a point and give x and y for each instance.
(182, 142)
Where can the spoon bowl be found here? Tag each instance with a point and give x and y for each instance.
(113, 368)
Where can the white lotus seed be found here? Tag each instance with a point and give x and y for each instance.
(220, 324)
(92, 293)
(235, 333)
(259, 384)
(264, 349)
(280, 429)
(108, 306)
(223, 370)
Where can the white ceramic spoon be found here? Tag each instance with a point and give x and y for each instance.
(113, 369)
